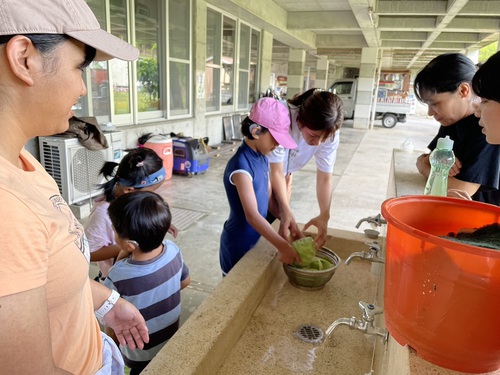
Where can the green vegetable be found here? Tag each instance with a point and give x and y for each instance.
(306, 249)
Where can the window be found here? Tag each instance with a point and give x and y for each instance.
(247, 67)
(147, 39)
(213, 59)
(158, 84)
(179, 39)
(228, 51)
(120, 77)
(232, 54)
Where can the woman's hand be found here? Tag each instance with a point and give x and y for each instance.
(423, 165)
(322, 225)
(455, 168)
(128, 324)
(289, 228)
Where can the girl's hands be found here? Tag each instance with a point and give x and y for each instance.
(288, 255)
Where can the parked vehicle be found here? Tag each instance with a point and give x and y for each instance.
(389, 109)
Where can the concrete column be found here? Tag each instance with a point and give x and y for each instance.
(322, 66)
(473, 54)
(265, 60)
(366, 84)
(199, 55)
(295, 78)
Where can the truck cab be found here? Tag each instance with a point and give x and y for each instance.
(346, 89)
(392, 105)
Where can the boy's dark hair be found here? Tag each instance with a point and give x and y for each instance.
(444, 74)
(141, 216)
(137, 164)
(486, 82)
(319, 110)
(245, 128)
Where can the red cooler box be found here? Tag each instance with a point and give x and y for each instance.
(162, 145)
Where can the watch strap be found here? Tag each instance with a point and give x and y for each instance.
(107, 305)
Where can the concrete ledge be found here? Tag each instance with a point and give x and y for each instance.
(202, 343)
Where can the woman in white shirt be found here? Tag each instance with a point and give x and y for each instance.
(316, 117)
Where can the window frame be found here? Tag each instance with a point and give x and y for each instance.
(235, 107)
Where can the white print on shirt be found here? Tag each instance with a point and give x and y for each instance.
(75, 228)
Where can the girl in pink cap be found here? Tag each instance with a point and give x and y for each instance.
(246, 181)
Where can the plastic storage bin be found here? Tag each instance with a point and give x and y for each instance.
(442, 298)
(162, 145)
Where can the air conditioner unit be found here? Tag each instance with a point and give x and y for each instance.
(75, 168)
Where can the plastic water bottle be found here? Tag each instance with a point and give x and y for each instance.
(441, 159)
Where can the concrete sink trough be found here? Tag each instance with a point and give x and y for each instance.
(247, 325)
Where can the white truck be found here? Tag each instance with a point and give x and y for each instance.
(389, 110)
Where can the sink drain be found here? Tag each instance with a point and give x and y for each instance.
(309, 333)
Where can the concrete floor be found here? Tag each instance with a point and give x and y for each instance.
(361, 175)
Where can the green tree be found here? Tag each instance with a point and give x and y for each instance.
(487, 51)
(147, 74)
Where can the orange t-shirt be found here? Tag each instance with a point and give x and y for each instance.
(42, 243)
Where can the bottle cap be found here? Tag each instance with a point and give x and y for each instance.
(445, 143)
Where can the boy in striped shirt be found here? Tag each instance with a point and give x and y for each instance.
(154, 273)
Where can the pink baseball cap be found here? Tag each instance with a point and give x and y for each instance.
(71, 17)
(274, 116)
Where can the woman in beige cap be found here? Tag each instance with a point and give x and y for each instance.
(47, 302)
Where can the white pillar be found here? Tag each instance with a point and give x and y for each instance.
(295, 79)
(322, 66)
(366, 84)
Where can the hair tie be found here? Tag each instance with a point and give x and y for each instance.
(140, 164)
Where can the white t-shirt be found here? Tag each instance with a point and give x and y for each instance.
(295, 159)
(100, 233)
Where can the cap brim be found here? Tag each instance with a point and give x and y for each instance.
(107, 45)
(284, 139)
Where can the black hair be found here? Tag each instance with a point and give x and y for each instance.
(245, 128)
(141, 216)
(319, 110)
(136, 165)
(486, 81)
(46, 43)
(443, 74)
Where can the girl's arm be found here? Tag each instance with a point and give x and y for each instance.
(280, 196)
(248, 200)
(105, 253)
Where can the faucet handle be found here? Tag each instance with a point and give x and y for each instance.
(380, 220)
(373, 245)
(369, 310)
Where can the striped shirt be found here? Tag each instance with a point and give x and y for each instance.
(154, 287)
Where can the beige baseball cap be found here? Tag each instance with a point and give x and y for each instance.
(71, 17)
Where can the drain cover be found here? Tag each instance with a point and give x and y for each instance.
(309, 333)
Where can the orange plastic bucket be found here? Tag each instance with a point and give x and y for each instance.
(162, 145)
(441, 297)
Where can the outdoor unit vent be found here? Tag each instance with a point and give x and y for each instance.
(75, 168)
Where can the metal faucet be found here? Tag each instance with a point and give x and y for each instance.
(375, 220)
(365, 324)
(371, 256)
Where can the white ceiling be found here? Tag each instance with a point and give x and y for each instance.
(410, 33)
